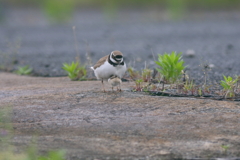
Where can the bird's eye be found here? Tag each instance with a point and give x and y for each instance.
(118, 56)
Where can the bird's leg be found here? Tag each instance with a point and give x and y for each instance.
(112, 88)
(103, 86)
(119, 88)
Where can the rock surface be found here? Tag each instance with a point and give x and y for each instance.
(90, 124)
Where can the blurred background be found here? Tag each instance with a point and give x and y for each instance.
(40, 33)
(62, 11)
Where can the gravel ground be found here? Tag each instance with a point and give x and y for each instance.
(28, 38)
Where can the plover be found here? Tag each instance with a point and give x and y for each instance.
(115, 81)
(110, 65)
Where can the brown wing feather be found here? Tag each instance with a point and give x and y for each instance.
(100, 61)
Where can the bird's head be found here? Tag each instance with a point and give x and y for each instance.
(116, 56)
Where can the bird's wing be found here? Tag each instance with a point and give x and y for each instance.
(100, 62)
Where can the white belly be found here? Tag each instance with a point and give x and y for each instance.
(106, 70)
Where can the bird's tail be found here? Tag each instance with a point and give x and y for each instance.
(92, 68)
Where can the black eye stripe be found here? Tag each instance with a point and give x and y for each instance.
(113, 63)
(118, 56)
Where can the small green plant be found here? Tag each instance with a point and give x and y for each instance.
(140, 77)
(133, 74)
(146, 75)
(225, 148)
(31, 154)
(228, 86)
(171, 66)
(237, 84)
(136, 77)
(75, 71)
(200, 91)
(189, 86)
(25, 70)
(205, 68)
(53, 155)
(138, 83)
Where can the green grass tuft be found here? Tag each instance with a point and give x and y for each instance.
(229, 85)
(171, 66)
(75, 71)
(25, 70)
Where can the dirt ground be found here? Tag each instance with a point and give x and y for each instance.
(90, 124)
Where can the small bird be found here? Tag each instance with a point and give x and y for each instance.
(110, 65)
(115, 81)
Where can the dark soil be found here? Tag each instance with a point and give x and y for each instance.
(28, 38)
